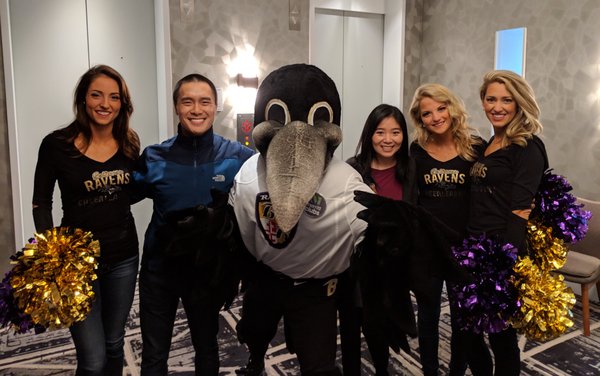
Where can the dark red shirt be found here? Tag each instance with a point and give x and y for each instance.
(386, 183)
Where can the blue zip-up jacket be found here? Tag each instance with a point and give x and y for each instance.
(180, 172)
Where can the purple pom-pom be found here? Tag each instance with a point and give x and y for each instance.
(10, 315)
(486, 304)
(556, 208)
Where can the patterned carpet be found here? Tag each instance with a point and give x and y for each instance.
(52, 353)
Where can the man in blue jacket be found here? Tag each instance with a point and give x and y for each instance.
(179, 174)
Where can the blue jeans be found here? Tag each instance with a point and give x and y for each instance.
(99, 339)
(161, 288)
(428, 319)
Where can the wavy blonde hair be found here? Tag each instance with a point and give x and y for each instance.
(526, 122)
(465, 137)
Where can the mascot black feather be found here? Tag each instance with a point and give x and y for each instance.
(404, 247)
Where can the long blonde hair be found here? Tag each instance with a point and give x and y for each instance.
(526, 121)
(464, 136)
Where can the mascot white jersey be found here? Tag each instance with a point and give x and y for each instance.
(327, 232)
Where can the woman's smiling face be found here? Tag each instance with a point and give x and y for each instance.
(103, 101)
(387, 138)
(499, 105)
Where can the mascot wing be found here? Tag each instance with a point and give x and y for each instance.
(404, 247)
(209, 237)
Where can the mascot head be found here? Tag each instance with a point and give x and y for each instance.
(297, 112)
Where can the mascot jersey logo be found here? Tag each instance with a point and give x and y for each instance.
(265, 217)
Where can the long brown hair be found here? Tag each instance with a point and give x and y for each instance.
(126, 138)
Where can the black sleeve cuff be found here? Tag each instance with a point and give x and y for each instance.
(42, 218)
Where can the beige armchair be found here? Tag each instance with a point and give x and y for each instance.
(583, 261)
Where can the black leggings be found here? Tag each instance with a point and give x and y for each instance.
(507, 355)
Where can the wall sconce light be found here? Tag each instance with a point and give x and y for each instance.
(251, 82)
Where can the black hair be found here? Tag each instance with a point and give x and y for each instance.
(365, 152)
(194, 77)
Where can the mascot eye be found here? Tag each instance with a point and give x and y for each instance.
(278, 111)
(320, 111)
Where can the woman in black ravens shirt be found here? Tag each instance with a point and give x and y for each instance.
(92, 159)
(444, 150)
(504, 181)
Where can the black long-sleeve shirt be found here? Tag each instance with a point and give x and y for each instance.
(444, 187)
(504, 181)
(95, 196)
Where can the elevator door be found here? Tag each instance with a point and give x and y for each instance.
(52, 43)
(349, 48)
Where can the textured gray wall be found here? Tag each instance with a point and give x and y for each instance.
(219, 28)
(455, 42)
(412, 52)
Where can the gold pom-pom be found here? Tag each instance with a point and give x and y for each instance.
(546, 302)
(548, 252)
(52, 277)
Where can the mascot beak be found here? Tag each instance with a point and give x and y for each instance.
(297, 112)
(296, 158)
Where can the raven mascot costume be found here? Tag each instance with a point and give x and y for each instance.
(294, 203)
(302, 215)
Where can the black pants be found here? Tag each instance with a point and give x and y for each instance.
(351, 322)
(309, 311)
(507, 355)
(161, 287)
(428, 320)
(469, 349)
(350, 316)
